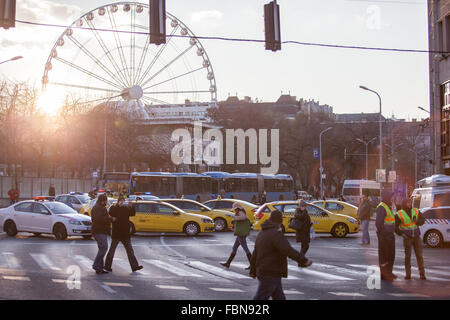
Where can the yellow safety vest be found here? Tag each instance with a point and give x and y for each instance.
(389, 219)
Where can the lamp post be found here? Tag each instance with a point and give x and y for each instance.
(423, 109)
(381, 137)
(367, 154)
(320, 156)
(12, 59)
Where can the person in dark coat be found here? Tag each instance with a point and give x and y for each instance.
(121, 233)
(302, 235)
(269, 259)
(100, 229)
(385, 224)
(51, 190)
(364, 213)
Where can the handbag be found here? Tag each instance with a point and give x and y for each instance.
(242, 228)
(295, 224)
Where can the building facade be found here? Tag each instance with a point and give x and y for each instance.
(439, 61)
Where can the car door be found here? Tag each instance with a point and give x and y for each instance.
(23, 214)
(319, 218)
(42, 218)
(143, 220)
(166, 220)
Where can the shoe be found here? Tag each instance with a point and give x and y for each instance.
(422, 277)
(137, 268)
(107, 269)
(306, 264)
(394, 276)
(408, 277)
(225, 264)
(101, 272)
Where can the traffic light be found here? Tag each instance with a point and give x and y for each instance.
(7, 13)
(157, 21)
(272, 26)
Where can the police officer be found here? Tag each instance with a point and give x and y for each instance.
(385, 224)
(407, 222)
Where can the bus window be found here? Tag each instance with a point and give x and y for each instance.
(351, 192)
(371, 192)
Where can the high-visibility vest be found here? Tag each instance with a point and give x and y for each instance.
(408, 224)
(389, 219)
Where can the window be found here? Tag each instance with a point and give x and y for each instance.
(437, 214)
(224, 205)
(290, 208)
(212, 204)
(314, 210)
(59, 208)
(333, 206)
(441, 200)
(440, 35)
(39, 208)
(24, 207)
(163, 209)
(74, 200)
(416, 200)
(350, 192)
(144, 208)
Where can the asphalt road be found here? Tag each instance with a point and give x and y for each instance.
(177, 267)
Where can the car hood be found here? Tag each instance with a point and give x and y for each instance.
(75, 216)
(195, 215)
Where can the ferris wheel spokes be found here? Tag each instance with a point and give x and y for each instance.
(176, 77)
(83, 87)
(155, 58)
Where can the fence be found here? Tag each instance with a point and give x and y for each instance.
(30, 187)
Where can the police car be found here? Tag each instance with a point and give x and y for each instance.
(46, 217)
(436, 229)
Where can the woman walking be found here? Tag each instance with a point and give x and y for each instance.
(302, 232)
(241, 230)
(121, 233)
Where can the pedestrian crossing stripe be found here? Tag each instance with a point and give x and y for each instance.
(171, 287)
(226, 289)
(292, 291)
(408, 295)
(19, 278)
(171, 268)
(243, 266)
(347, 294)
(44, 262)
(323, 275)
(216, 270)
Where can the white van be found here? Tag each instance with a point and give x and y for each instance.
(432, 192)
(352, 190)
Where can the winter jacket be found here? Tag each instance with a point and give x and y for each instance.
(303, 234)
(100, 220)
(241, 225)
(365, 210)
(121, 227)
(271, 251)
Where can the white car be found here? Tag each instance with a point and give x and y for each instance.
(44, 217)
(436, 229)
(74, 199)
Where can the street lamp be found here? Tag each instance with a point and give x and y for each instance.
(381, 140)
(320, 155)
(367, 158)
(12, 59)
(423, 109)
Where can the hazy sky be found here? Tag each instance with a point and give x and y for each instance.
(329, 75)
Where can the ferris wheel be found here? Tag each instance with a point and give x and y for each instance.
(106, 53)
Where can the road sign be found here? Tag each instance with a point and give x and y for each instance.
(392, 176)
(316, 153)
(381, 175)
(324, 176)
(95, 174)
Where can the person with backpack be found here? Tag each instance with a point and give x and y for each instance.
(301, 223)
(242, 228)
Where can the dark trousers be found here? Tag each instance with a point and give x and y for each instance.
(305, 247)
(130, 253)
(102, 243)
(269, 287)
(415, 243)
(386, 253)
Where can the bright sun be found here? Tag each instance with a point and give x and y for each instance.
(50, 101)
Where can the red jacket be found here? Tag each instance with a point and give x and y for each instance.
(13, 194)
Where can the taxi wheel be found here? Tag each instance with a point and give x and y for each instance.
(433, 239)
(191, 229)
(220, 224)
(60, 232)
(339, 230)
(11, 229)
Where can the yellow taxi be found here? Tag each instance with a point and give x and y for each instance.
(87, 207)
(160, 216)
(323, 220)
(227, 204)
(339, 207)
(222, 219)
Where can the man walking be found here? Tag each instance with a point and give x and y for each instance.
(13, 194)
(302, 234)
(51, 190)
(100, 229)
(121, 233)
(385, 223)
(407, 222)
(364, 213)
(269, 259)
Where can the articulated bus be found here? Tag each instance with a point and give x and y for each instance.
(115, 181)
(251, 186)
(352, 190)
(171, 185)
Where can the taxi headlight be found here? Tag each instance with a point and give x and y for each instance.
(351, 220)
(75, 222)
(207, 221)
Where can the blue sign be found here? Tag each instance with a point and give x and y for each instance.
(316, 153)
